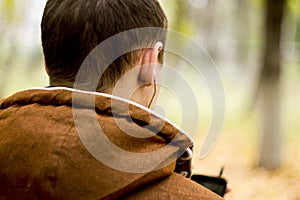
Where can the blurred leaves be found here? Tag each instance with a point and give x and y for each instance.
(294, 6)
(10, 19)
(7, 8)
(178, 14)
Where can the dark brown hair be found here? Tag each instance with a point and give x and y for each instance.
(72, 28)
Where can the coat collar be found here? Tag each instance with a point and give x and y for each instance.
(101, 103)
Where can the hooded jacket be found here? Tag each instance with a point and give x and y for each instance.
(62, 143)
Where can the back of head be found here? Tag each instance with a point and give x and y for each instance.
(71, 29)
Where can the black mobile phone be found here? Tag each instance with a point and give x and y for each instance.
(216, 184)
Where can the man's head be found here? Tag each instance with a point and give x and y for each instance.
(72, 28)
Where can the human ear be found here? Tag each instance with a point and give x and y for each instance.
(149, 60)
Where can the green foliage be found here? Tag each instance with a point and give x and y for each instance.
(293, 15)
(7, 8)
(293, 6)
(177, 12)
(258, 3)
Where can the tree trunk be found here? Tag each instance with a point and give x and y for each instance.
(270, 156)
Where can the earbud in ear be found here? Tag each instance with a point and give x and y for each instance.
(159, 46)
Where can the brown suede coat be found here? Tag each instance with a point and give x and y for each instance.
(44, 152)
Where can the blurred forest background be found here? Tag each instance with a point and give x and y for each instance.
(256, 46)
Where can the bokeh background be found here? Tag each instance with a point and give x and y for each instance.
(257, 51)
